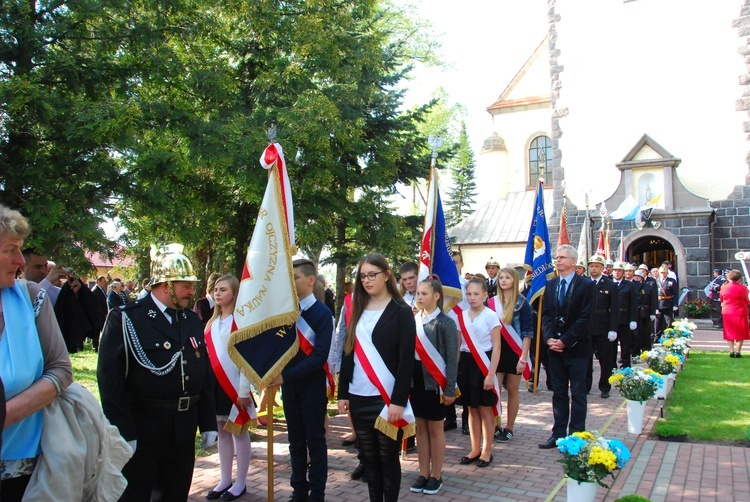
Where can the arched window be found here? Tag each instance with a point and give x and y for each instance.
(540, 156)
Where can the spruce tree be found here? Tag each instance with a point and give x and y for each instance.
(463, 192)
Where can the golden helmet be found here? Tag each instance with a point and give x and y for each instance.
(597, 258)
(492, 263)
(168, 264)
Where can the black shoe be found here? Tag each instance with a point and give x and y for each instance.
(297, 498)
(450, 425)
(498, 433)
(731, 354)
(468, 460)
(484, 463)
(418, 485)
(212, 495)
(605, 394)
(505, 436)
(348, 442)
(549, 444)
(465, 429)
(433, 486)
(358, 472)
(737, 355)
(229, 496)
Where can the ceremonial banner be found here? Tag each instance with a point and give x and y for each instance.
(264, 338)
(538, 255)
(435, 253)
(600, 245)
(562, 236)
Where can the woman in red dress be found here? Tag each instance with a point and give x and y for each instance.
(734, 303)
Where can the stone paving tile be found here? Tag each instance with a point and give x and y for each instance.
(520, 470)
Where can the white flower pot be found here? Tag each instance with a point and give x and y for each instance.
(636, 411)
(662, 392)
(581, 491)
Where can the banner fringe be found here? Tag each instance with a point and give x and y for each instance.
(391, 430)
(238, 429)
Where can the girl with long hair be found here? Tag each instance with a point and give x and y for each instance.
(515, 312)
(376, 371)
(235, 410)
(477, 364)
(434, 382)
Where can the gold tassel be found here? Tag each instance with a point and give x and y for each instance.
(391, 430)
(237, 429)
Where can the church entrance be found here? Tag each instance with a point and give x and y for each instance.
(651, 250)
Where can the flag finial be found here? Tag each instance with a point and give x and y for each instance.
(435, 142)
(271, 133)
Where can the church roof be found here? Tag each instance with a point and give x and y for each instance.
(507, 101)
(501, 221)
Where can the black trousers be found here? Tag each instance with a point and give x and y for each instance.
(379, 452)
(605, 352)
(159, 472)
(305, 411)
(642, 340)
(12, 490)
(624, 338)
(569, 412)
(663, 321)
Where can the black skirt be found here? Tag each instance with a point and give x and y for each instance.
(508, 359)
(425, 403)
(471, 383)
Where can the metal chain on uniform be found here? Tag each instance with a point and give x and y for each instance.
(133, 344)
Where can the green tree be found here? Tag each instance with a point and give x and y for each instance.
(461, 196)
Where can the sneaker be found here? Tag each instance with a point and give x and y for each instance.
(498, 433)
(504, 436)
(433, 486)
(419, 485)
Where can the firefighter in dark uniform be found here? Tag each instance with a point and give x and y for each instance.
(155, 384)
(491, 267)
(603, 325)
(715, 289)
(666, 291)
(647, 303)
(628, 313)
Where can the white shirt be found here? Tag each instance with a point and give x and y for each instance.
(211, 301)
(307, 302)
(482, 326)
(162, 307)
(424, 319)
(410, 298)
(361, 384)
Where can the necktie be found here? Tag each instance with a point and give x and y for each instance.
(561, 295)
(172, 313)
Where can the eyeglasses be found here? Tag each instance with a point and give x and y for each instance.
(369, 277)
(564, 258)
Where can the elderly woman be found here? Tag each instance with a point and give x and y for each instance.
(34, 364)
(734, 303)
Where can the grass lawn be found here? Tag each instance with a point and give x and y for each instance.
(711, 398)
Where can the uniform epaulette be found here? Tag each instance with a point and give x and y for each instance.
(130, 305)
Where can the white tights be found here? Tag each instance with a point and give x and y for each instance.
(229, 444)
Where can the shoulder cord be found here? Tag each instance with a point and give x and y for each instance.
(133, 345)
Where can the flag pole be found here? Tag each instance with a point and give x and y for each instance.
(270, 401)
(538, 343)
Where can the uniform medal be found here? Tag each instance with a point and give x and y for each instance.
(195, 346)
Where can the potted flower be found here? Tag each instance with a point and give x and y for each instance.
(697, 308)
(637, 385)
(588, 458)
(663, 363)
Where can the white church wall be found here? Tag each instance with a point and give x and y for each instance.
(667, 68)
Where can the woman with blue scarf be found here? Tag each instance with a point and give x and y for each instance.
(34, 363)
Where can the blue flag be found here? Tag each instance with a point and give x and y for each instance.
(538, 254)
(435, 256)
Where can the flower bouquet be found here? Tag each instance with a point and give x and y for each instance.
(660, 361)
(677, 346)
(636, 384)
(588, 458)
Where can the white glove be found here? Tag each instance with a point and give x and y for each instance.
(612, 336)
(675, 309)
(653, 317)
(633, 325)
(133, 444)
(208, 439)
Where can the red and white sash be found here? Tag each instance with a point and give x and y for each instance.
(509, 333)
(239, 420)
(369, 359)
(480, 358)
(306, 337)
(431, 358)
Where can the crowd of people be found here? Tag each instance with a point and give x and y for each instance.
(406, 360)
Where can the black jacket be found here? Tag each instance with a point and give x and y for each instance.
(605, 308)
(570, 322)
(628, 302)
(123, 395)
(394, 337)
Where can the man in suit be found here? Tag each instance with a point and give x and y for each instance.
(204, 307)
(116, 297)
(628, 313)
(158, 388)
(100, 294)
(492, 267)
(565, 320)
(647, 303)
(303, 384)
(666, 290)
(603, 325)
